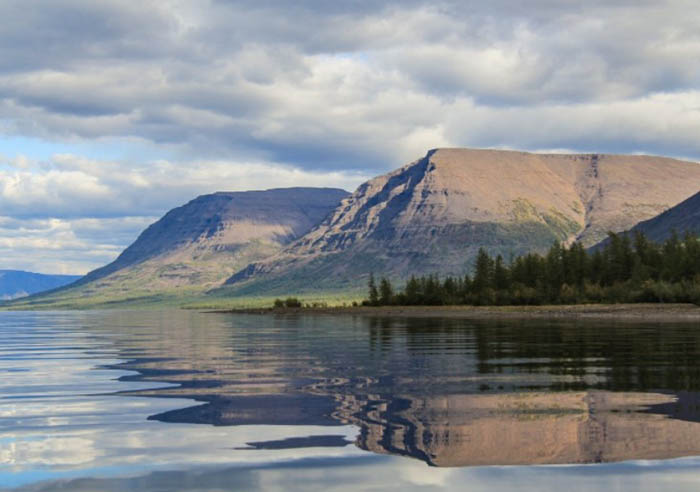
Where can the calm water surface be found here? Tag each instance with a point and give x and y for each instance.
(155, 401)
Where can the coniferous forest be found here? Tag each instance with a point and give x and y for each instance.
(622, 270)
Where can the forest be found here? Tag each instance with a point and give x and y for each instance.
(623, 269)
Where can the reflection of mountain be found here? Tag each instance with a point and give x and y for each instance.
(299, 409)
(448, 392)
(525, 428)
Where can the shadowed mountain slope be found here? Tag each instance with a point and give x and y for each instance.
(191, 244)
(684, 217)
(198, 245)
(431, 216)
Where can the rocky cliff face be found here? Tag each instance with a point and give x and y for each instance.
(432, 215)
(200, 244)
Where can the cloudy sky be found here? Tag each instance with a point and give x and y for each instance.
(113, 112)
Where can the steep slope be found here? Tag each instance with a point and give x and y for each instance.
(684, 217)
(433, 214)
(198, 245)
(192, 244)
(16, 283)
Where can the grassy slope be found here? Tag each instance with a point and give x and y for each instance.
(333, 279)
(190, 298)
(450, 253)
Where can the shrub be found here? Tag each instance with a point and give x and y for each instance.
(567, 295)
(525, 296)
(292, 302)
(593, 292)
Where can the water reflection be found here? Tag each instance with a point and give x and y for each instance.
(264, 391)
(528, 428)
(386, 473)
(451, 392)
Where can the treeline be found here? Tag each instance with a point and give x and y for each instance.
(295, 303)
(624, 270)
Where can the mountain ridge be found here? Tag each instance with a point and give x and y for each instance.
(432, 215)
(205, 217)
(428, 216)
(198, 245)
(682, 218)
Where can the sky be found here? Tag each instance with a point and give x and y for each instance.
(114, 112)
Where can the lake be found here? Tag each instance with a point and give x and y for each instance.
(177, 400)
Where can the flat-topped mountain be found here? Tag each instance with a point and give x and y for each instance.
(198, 245)
(432, 215)
(16, 283)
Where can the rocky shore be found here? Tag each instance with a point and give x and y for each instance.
(622, 312)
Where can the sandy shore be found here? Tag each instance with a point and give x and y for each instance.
(632, 312)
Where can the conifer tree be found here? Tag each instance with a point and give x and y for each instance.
(500, 274)
(373, 293)
(386, 292)
(621, 270)
(482, 272)
(412, 291)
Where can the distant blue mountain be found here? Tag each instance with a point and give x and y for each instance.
(16, 283)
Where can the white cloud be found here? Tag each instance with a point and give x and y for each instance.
(72, 214)
(65, 246)
(245, 81)
(244, 94)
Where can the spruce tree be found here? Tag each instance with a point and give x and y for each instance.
(500, 274)
(412, 291)
(483, 272)
(373, 293)
(386, 292)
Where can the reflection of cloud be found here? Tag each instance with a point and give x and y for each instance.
(52, 451)
(111, 436)
(114, 441)
(384, 473)
(54, 416)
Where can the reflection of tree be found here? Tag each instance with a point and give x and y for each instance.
(586, 355)
(576, 356)
(439, 389)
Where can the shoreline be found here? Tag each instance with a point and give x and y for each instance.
(622, 312)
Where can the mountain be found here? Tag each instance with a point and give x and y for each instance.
(193, 244)
(199, 245)
(684, 217)
(432, 215)
(16, 283)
